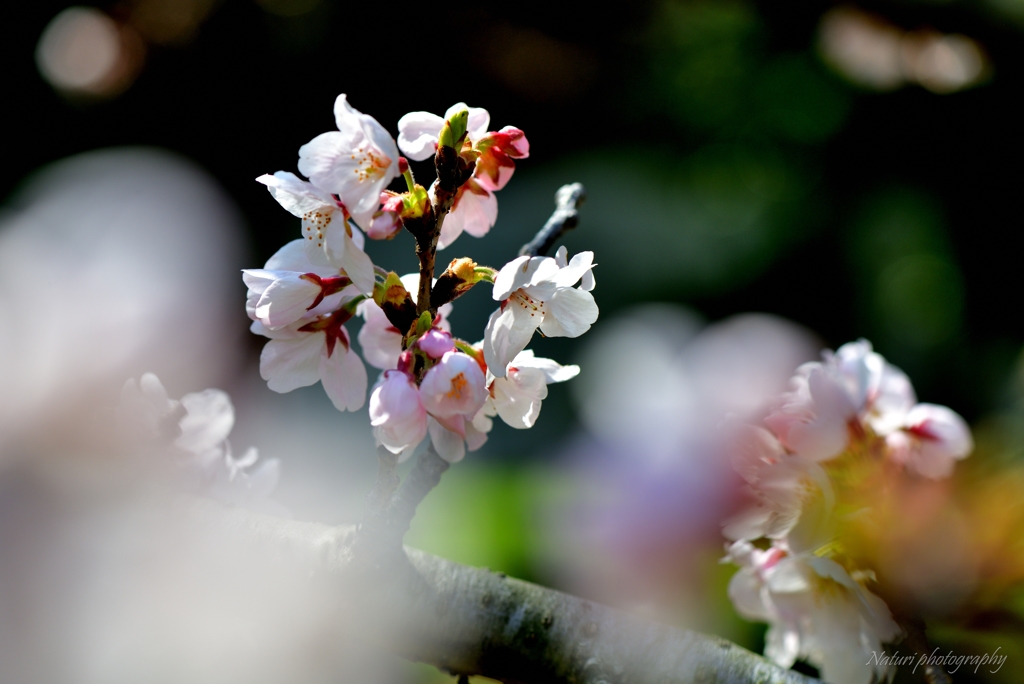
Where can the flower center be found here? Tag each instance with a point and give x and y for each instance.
(370, 163)
(459, 383)
(532, 306)
(314, 224)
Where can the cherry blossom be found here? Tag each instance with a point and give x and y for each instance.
(454, 390)
(291, 287)
(812, 420)
(516, 398)
(815, 610)
(538, 292)
(435, 343)
(419, 132)
(494, 166)
(192, 435)
(931, 440)
(356, 162)
(397, 414)
(312, 350)
(330, 239)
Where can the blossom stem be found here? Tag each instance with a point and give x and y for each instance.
(410, 182)
(565, 217)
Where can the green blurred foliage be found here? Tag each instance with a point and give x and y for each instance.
(710, 69)
(910, 286)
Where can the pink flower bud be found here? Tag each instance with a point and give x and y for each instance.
(435, 343)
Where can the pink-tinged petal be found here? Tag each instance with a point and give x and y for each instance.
(934, 438)
(508, 331)
(436, 343)
(890, 400)
(523, 272)
(343, 376)
(481, 211)
(286, 300)
(449, 445)
(418, 134)
(208, 420)
(570, 313)
(451, 229)
(454, 387)
(397, 413)
(477, 430)
(297, 196)
(814, 420)
(287, 364)
(350, 167)
(380, 341)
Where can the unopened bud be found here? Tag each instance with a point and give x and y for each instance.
(392, 297)
(453, 132)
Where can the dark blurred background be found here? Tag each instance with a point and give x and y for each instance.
(850, 167)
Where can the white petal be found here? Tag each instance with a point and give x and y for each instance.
(508, 332)
(342, 250)
(553, 371)
(745, 594)
(297, 196)
(288, 364)
(208, 420)
(286, 300)
(570, 313)
(418, 134)
(571, 274)
(448, 444)
(344, 378)
(523, 272)
(518, 396)
(292, 257)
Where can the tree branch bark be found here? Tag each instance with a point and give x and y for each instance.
(566, 216)
(476, 622)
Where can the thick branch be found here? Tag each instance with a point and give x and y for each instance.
(473, 621)
(567, 202)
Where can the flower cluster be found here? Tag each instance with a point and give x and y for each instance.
(432, 383)
(848, 427)
(191, 434)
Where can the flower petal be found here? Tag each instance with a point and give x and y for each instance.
(288, 364)
(343, 376)
(508, 332)
(570, 313)
(418, 134)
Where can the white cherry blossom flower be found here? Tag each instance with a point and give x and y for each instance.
(815, 610)
(516, 398)
(290, 287)
(397, 414)
(356, 162)
(454, 390)
(538, 292)
(196, 427)
(330, 240)
(308, 351)
(419, 132)
(930, 441)
(881, 392)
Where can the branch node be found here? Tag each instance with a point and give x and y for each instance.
(565, 217)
